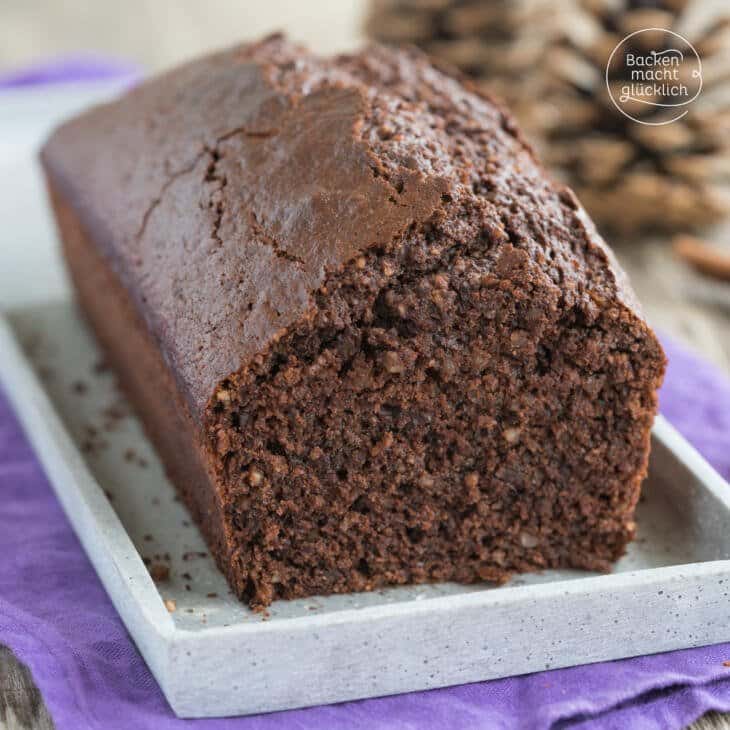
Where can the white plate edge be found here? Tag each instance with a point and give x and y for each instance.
(97, 524)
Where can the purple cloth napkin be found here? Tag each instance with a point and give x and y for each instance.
(79, 67)
(57, 618)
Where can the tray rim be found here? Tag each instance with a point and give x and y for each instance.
(136, 598)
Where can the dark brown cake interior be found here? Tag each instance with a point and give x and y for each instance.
(441, 416)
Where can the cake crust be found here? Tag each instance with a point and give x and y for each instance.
(392, 347)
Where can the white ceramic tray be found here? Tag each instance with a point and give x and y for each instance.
(212, 656)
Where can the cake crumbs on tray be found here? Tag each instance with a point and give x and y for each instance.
(31, 343)
(46, 374)
(113, 415)
(159, 572)
(192, 554)
(79, 387)
(131, 457)
(92, 445)
(100, 367)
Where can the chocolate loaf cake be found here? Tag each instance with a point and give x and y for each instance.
(373, 342)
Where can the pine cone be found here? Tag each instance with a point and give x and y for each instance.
(548, 61)
(497, 42)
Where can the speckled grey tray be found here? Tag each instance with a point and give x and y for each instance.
(212, 656)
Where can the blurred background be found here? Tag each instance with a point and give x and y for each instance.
(158, 34)
(659, 193)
